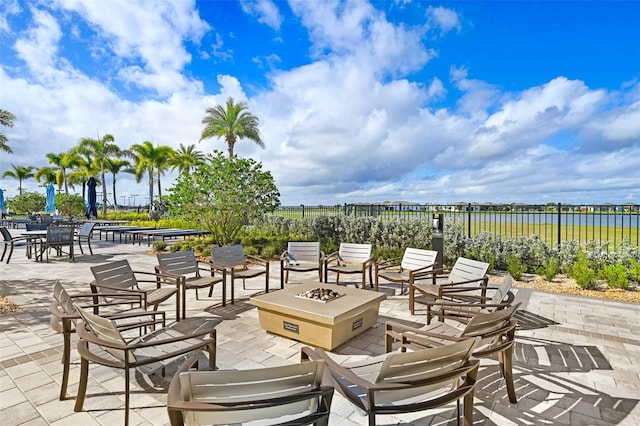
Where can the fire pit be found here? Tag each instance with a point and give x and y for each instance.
(319, 294)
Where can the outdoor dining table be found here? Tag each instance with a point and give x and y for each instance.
(34, 237)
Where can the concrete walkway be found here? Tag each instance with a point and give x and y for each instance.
(577, 360)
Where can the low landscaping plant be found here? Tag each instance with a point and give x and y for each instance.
(584, 275)
(516, 267)
(615, 276)
(549, 269)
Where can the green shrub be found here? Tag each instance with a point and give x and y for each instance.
(583, 274)
(516, 267)
(159, 245)
(549, 269)
(615, 276)
(634, 270)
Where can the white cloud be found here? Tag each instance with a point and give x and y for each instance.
(350, 125)
(152, 33)
(266, 11)
(444, 19)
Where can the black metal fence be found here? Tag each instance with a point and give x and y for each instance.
(553, 223)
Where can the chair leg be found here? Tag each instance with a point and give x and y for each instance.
(82, 387)
(80, 246)
(127, 387)
(89, 245)
(3, 252)
(66, 360)
(10, 253)
(506, 365)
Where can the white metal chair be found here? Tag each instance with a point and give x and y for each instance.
(403, 270)
(283, 395)
(350, 259)
(301, 256)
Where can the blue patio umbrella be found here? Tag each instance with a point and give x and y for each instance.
(3, 206)
(91, 198)
(51, 199)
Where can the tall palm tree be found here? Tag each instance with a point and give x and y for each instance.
(6, 119)
(152, 160)
(82, 169)
(47, 175)
(100, 150)
(62, 162)
(21, 173)
(233, 123)
(186, 158)
(115, 166)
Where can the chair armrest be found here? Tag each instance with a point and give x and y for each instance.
(284, 256)
(331, 257)
(256, 260)
(484, 279)
(388, 263)
(390, 325)
(334, 367)
(170, 340)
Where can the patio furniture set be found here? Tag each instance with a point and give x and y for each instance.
(119, 325)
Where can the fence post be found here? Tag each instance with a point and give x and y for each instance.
(469, 220)
(559, 224)
(302, 205)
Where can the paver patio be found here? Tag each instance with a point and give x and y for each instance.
(577, 360)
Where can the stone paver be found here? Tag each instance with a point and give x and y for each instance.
(577, 360)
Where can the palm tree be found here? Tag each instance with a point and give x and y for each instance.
(186, 158)
(6, 119)
(82, 169)
(151, 160)
(21, 173)
(47, 175)
(233, 123)
(115, 166)
(62, 162)
(100, 150)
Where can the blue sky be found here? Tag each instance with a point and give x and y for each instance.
(521, 101)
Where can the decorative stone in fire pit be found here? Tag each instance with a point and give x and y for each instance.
(320, 294)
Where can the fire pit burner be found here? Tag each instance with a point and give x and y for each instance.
(320, 294)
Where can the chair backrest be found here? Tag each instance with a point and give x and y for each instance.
(115, 274)
(105, 330)
(179, 262)
(36, 226)
(229, 256)
(467, 269)
(489, 327)
(414, 259)
(6, 235)
(47, 218)
(86, 229)
(60, 235)
(354, 253)
(429, 368)
(250, 389)
(64, 300)
(303, 251)
(502, 291)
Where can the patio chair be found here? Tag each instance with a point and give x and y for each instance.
(117, 276)
(495, 331)
(84, 234)
(405, 382)
(192, 274)
(463, 305)
(36, 226)
(12, 242)
(301, 256)
(289, 395)
(125, 309)
(59, 237)
(102, 343)
(350, 259)
(465, 273)
(236, 263)
(405, 269)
